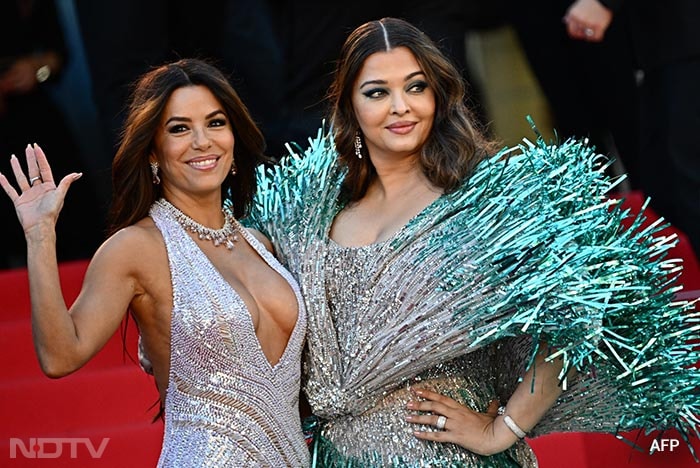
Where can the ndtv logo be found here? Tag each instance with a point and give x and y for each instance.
(52, 447)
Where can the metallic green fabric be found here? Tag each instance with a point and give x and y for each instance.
(529, 249)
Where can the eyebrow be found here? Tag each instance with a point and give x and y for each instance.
(187, 119)
(408, 77)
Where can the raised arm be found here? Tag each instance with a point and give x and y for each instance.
(64, 340)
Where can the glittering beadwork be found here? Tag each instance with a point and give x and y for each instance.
(227, 235)
(528, 250)
(226, 405)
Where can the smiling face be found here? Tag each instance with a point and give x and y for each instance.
(393, 104)
(193, 144)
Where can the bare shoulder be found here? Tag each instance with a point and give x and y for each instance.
(262, 239)
(133, 250)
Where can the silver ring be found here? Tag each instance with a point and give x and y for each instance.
(34, 179)
(588, 32)
(442, 420)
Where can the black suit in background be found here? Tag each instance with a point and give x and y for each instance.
(666, 40)
(590, 87)
(592, 92)
(31, 116)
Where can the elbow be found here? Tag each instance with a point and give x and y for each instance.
(55, 369)
(53, 372)
(53, 375)
(58, 360)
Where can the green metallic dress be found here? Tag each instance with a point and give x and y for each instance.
(528, 250)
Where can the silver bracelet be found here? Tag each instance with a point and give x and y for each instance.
(513, 427)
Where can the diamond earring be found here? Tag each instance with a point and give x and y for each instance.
(358, 145)
(154, 171)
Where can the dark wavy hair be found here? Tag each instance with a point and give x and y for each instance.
(133, 189)
(455, 144)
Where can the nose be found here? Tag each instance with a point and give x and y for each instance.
(200, 140)
(399, 106)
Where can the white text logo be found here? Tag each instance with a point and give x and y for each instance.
(52, 447)
(664, 444)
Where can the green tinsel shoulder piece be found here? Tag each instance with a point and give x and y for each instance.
(298, 192)
(571, 275)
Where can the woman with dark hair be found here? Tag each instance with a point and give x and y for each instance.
(221, 321)
(459, 299)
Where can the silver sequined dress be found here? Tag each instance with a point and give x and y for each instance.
(226, 406)
(528, 250)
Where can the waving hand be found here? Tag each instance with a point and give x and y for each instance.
(39, 199)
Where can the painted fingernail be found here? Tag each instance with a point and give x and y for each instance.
(410, 405)
(419, 392)
(77, 176)
(410, 418)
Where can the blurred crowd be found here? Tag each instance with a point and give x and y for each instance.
(622, 73)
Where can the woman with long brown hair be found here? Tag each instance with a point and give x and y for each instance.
(452, 292)
(222, 322)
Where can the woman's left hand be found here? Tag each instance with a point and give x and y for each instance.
(476, 432)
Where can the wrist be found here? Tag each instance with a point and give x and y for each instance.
(40, 233)
(510, 423)
(502, 438)
(513, 426)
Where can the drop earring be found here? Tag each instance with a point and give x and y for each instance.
(234, 170)
(154, 172)
(358, 145)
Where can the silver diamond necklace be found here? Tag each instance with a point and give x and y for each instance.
(227, 235)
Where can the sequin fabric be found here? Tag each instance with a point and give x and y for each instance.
(380, 436)
(226, 405)
(528, 250)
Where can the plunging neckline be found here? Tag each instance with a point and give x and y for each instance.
(277, 267)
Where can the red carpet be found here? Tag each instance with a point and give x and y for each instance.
(111, 398)
(43, 420)
(683, 250)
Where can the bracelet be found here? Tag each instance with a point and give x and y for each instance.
(513, 427)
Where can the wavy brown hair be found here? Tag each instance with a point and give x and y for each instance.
(133, 189)
(455, 144)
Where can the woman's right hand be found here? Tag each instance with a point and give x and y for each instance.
(39, 200)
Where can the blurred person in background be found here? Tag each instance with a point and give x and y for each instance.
(665, 39)
(32, 55)
(589, 84)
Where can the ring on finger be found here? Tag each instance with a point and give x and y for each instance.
(34, 179)
(441, 421)
(588, 32)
